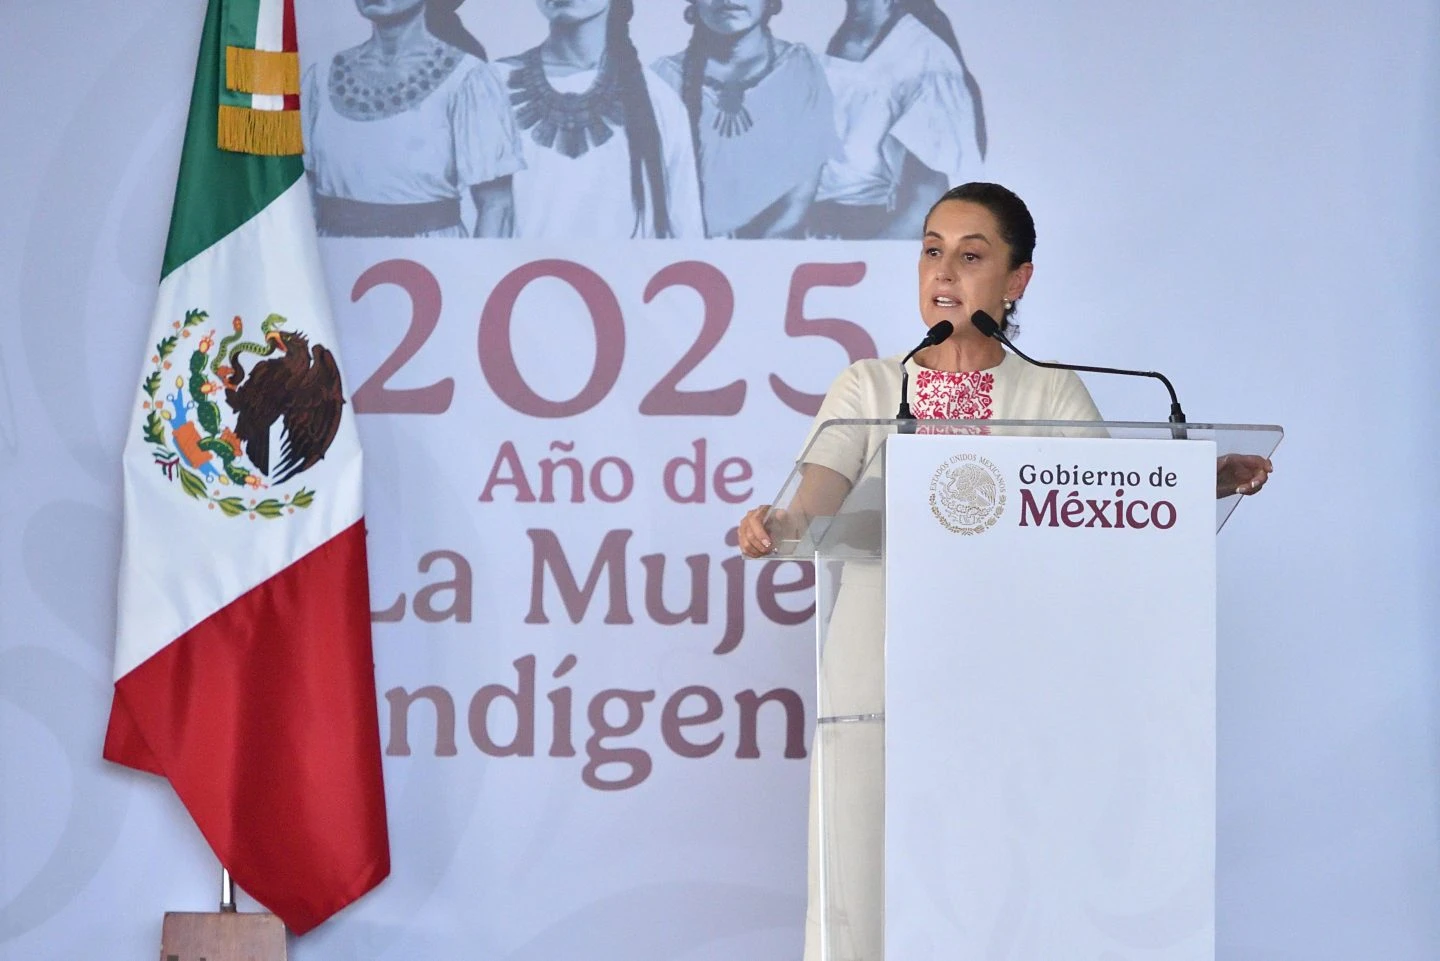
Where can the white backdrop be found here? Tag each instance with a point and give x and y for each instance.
(1244, 195)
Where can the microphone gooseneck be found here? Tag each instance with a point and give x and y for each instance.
(935, 335)
(986, 325)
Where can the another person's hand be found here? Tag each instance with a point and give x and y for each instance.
(1241, 474)
(755, 540)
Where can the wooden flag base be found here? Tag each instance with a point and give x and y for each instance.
(221, 936)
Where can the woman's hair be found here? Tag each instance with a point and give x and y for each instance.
(642, 132)
(692, 83)
(444, 23)
(1017, 227)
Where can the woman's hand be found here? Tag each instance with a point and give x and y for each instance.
(820, 494)
(1241, 474)
(755, 540)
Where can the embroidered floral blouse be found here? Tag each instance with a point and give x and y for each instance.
(948, 395)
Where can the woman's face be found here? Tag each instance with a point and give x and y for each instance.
(730, 17)
(382, 10)
(965, 266)
(573, 11)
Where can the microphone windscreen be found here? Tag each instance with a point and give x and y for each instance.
(985, 323)
(940, 332)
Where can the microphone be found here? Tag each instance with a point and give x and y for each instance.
(935, 335)
(986, 325)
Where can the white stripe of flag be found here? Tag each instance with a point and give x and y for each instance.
(269, 35)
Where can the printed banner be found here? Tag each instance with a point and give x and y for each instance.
(595, 266)
(590, 276)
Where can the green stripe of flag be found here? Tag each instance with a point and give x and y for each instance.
(217, 190)
(237, 29)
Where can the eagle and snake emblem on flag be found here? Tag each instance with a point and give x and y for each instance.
(244, 415)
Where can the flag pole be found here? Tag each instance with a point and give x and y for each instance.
(227, 933)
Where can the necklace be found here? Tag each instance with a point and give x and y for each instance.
(731, 117)
(571, 123)
(364, 91)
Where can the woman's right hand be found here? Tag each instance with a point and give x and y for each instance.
(755, 540)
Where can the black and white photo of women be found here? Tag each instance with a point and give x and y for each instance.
(606, 143)
(408, 129)
(761, 117)
(909, 115)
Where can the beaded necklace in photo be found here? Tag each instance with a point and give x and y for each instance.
(363, 91)
(571, 123)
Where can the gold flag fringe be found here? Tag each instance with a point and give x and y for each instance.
(262, 71)
(270, 132)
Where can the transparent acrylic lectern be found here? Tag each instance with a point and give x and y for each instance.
(832, 510)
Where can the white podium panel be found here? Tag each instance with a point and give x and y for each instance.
(1050, 699)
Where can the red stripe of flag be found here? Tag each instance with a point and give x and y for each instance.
(288, 43)
(263, 717)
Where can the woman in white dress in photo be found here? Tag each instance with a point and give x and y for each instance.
(761, 117)
(606, 142)
(401, 128)
(909, 115)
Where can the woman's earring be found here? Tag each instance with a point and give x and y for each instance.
(1009, 305)
(690, 15)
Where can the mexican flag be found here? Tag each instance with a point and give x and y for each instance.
(243, 665)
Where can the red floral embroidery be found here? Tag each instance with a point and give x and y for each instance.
(947, 395)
